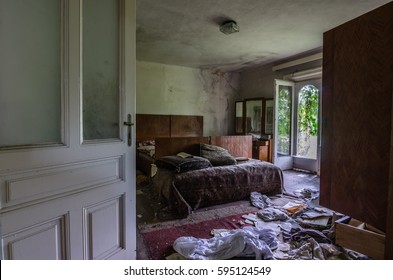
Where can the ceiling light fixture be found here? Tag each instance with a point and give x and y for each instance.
(229, 27)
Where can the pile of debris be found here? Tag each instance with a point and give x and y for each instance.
(295, 229)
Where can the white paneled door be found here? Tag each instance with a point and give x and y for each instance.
(67, 102)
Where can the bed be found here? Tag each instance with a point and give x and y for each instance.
(152, 126)
(187, 185)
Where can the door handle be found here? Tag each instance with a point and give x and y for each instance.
(129, 123)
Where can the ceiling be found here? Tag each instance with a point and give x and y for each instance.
(186, 32)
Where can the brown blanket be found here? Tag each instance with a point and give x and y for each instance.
(188, 191)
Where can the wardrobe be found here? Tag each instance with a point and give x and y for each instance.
(357, 118)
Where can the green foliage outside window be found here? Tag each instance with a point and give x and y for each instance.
(307, 118)
(284, 117)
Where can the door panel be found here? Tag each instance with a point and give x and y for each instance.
(104, 224)
(26, 243)
(35, 185)
(357, 119)
(68, 193)
(101, 88)
(283, 128)
(31, 56)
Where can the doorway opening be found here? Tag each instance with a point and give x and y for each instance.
(297, 130)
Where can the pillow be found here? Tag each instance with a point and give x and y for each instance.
(216, 155)
(180, 165)
(149, 150)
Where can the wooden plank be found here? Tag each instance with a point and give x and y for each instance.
(150, 126)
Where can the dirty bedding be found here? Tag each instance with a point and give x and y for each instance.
(188, 191)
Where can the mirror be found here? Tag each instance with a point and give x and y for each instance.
(255, 117)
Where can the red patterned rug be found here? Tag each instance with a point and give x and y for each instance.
(159, 241)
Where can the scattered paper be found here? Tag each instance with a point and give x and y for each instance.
(184, 155)
(313, 215)
(251, 217)
(292, 207)
(321, 221)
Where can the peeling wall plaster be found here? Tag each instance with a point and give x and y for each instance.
(177, 90)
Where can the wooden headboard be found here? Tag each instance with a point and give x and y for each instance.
(149, 126)
(186, 126)
(238, 146)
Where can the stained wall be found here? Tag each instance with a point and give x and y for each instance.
(178, 90)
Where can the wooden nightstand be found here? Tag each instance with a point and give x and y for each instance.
(262, 150)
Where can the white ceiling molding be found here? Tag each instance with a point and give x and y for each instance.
(309, 74)
(299, 61)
